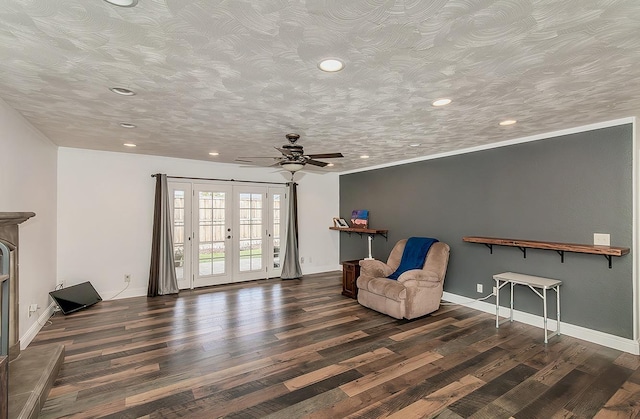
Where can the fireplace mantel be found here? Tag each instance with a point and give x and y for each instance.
(13, 218)
(9, 233)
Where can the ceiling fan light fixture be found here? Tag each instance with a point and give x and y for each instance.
(123, 3)
(331, 65)
(291, 166)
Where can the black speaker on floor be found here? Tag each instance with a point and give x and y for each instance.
(75, 297)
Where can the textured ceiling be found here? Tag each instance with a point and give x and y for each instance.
(235, 76)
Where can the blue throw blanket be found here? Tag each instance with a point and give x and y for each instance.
(415, 251)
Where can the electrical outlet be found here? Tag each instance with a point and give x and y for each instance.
(127, 278)
(479, 287)
(601, 239)
(33, 308)
(301, 259)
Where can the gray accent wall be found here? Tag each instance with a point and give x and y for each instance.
(561, 189)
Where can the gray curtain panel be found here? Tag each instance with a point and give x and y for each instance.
(162, 275)
(291, 265)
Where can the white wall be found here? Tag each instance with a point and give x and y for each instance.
(28, 183)
(105, 215)
(318, 203)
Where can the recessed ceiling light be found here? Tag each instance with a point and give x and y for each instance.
(129, 145)
(122, 91)
(364, 157)
(330, 165)
(213, 153)
(508, 122)
(123, 3)
(331, 65)
(441, 102)
(414, 145)
(127, 125)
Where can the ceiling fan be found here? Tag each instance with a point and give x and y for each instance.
(293, 157)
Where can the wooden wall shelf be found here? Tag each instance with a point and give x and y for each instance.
(368, 231)
(523, 245)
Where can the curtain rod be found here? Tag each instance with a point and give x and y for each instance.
(222, 180)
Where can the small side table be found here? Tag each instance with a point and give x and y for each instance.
(350, 272)
(532, 282)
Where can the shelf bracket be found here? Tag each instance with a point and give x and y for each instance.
(561, 253)
(524, 251)
(490, 246)
(608, 257)
(373, 235)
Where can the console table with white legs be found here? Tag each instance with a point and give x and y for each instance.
(535, 283)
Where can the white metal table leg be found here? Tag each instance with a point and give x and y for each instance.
(558, 310)
(544, 299)
(497, 303)
(511, 309)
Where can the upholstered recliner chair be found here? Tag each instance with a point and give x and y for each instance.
(415, 293)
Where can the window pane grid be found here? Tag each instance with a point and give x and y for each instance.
(250, 231)
(178, 233)
(276, 230)
(211, 210)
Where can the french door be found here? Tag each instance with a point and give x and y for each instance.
(226, 233)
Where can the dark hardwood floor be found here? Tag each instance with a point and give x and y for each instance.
(288, 349)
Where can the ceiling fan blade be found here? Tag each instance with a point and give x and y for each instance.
(317, 163)
(257, 157)
(284, 151)
(325, 156)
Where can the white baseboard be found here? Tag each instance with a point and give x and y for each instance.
(26, 339)
(308, 270)
(125, 293)
(611, 341)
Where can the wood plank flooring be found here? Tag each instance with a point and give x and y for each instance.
(289, 349)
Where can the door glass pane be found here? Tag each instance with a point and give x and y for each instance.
(250, 216)
(276, 230)
(178, 233)
(211, 223)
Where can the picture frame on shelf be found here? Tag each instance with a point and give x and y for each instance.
(340, 223)
(360, 219)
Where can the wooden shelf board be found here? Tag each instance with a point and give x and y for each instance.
(563, 247)
(360, 230)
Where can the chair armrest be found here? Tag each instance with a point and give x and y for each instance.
(420, 277)
(375, 268)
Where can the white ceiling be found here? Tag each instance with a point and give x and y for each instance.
(236, 76)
